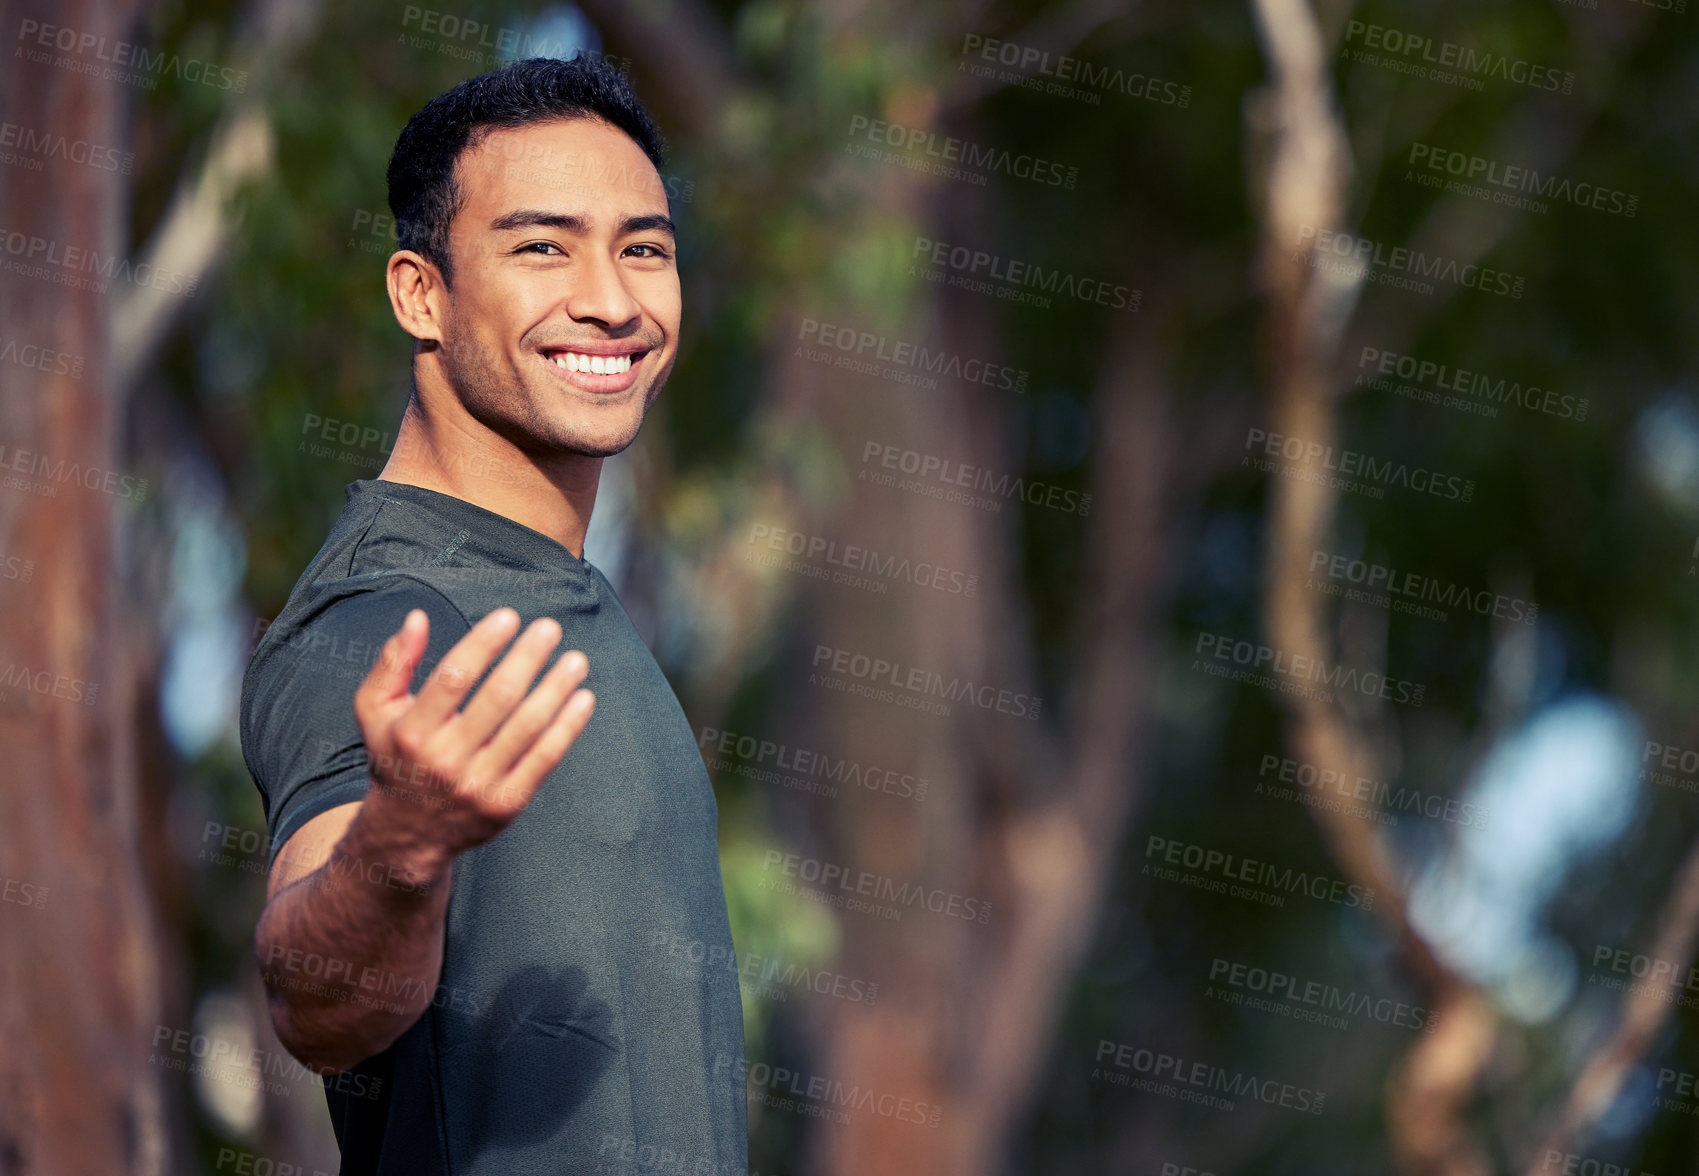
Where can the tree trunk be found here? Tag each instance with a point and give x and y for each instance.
(77, 964)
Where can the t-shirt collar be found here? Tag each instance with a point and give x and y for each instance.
(474, 536)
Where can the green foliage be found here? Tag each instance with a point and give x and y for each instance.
(782, 224)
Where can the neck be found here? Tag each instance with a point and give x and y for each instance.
(442, 447)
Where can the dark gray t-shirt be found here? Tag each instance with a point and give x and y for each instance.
(564, 1037)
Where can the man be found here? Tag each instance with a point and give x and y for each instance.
(478, 894)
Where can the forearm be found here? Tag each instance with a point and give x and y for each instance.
(352, 952)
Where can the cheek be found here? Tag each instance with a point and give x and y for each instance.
(490, 326)
(662, 302)
(464, 343)
(501, 296)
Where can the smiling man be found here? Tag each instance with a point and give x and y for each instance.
(483, 904)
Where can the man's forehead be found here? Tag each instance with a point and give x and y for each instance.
(585, 163)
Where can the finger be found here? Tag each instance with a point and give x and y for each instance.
(534, 715)
(505, 688)
(460, 667)
(392, 674)
(522, 781)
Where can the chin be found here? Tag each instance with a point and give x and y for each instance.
(596, 444)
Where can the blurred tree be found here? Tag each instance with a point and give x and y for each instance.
(80, 958)
(278, 197)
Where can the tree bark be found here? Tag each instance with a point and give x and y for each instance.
(77, 959)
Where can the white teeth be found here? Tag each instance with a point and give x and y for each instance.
(601, 365)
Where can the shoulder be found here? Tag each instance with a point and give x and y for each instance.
(328, 637)
(353, 608)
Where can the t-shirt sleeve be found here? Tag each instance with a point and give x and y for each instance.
(300, 738)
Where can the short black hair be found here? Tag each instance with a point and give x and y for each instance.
(423, 194)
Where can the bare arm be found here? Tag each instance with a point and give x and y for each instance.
(350, 942)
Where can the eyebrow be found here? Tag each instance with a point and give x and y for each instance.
(578, 223)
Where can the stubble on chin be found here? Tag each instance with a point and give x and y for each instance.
(535, 419)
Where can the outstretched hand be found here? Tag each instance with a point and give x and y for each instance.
(449, 777)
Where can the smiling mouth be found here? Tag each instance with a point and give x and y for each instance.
(599, 365)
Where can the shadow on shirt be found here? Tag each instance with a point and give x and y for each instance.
(532, 1064)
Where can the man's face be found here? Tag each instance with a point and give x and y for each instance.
(562, 322)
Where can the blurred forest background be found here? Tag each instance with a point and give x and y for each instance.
(1175, 867)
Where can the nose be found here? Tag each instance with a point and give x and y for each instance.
(599, 295)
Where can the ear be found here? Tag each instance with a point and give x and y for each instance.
(417, 294)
